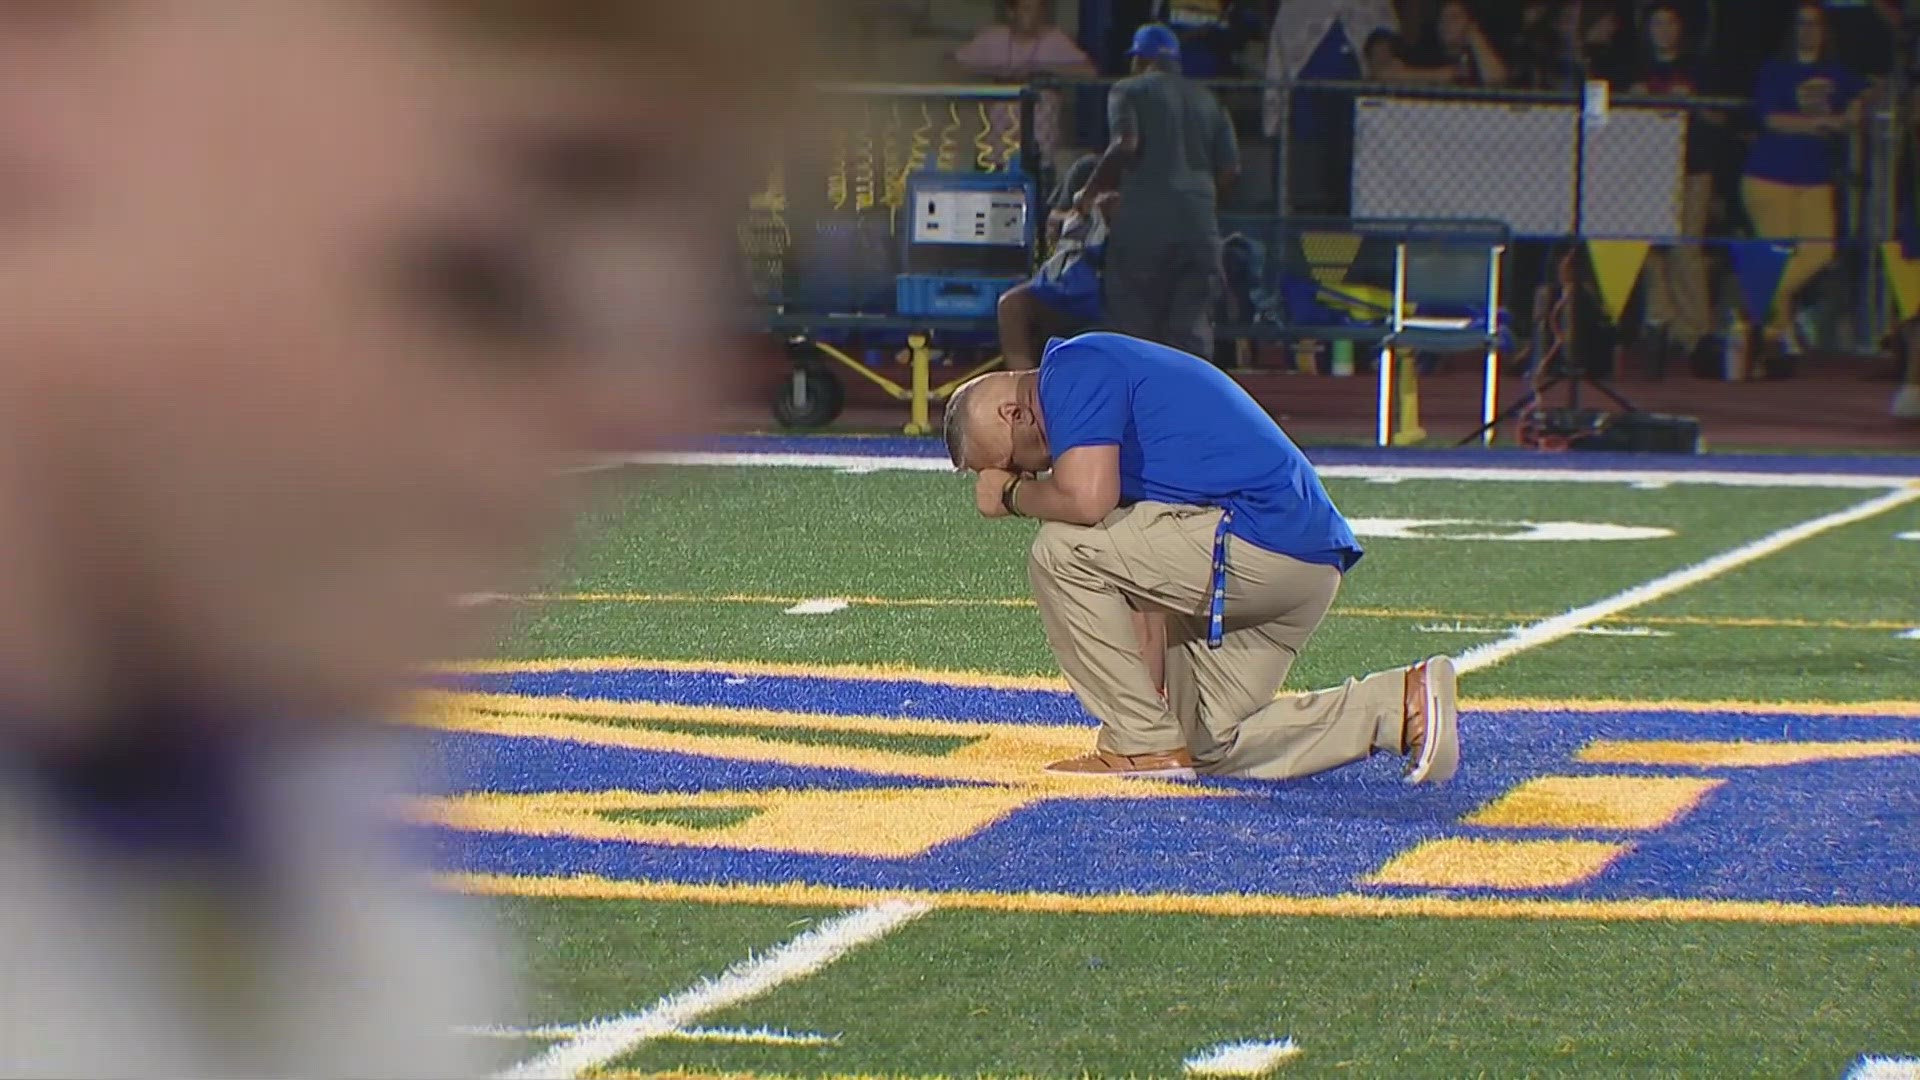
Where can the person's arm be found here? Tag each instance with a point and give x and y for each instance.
(1493, 70)
(1087, 411)
(1226, 155)
(1082, 489)
(1380, 60)
(1780, 110)
(1122, 149)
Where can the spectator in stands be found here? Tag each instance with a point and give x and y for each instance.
(1678, 293)
(1698, 16)
(1064, 297)
(1452, 49)
(1806, 104)
(1212, 34)
(1022, 44)
(1323, 40)
(1583, 40)
(1173, 151)
(1863, 33)
(1529, 48)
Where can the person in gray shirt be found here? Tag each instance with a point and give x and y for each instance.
(1172, 152)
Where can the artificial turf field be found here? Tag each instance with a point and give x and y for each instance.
(743, 841)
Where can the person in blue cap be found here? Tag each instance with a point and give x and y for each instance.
(1171, 153)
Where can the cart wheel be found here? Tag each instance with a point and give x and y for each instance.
(811, 397)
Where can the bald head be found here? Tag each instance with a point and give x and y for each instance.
(993, 422)
(970, 445)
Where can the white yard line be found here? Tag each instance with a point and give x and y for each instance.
(821, 606)
(1568, 623)
(1378, 473)
(605, 1041)
(740, 1036)
(1242, 1058)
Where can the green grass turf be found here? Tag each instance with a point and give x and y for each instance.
(970, 993)
(807, 532)
(1857, 573)
(965, 993)
(797, 533)
(687, 817)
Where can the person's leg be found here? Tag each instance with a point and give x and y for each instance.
(1658, 279)
(1081, 586)
(1132, 290)
(1812, 224)
(1150, 629)
(1018, 312)
(1771, 206)
(1690, 289)
(1303, 734)
(1192, 289)
(1223, 699)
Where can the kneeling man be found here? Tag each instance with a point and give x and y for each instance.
(1188, 553)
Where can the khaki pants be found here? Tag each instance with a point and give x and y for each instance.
(1802, 214)
(1678, 292)
(1220, 704)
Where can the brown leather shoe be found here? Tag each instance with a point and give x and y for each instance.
(1168, 765)
(1431, 736)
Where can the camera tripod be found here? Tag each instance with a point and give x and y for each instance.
(1556, 307)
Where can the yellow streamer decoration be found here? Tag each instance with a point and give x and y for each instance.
(949, 158)
(983, 142)
(866, 168)
(837, 170)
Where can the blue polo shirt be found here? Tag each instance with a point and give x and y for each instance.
(1188, 434)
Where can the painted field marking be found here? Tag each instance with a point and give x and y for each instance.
(604, 1041)
(1910, 635)
(1591, 631)
(1735, 622)
(989, 680)
(1907, 536)
(1886, 1068)
(1222, 905)
(1564, 625)
(1501, 531)
(1242, 1058)
(820, 606)
(884, 463)
(736, 1036)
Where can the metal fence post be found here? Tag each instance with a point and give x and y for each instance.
(1283, 136)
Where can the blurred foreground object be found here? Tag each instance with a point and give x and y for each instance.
(302, 298)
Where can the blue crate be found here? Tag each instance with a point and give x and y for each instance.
(948, 296)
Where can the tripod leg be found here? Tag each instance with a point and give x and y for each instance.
(1610, 392)
(1526, 401)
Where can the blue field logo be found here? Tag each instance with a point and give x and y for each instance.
(743, 779)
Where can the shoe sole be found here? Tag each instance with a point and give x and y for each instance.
(1440, 753)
